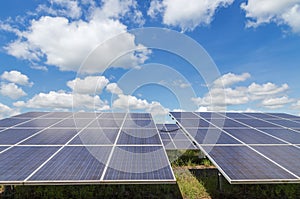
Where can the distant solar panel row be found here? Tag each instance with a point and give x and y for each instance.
(247, 147)
(79, 148)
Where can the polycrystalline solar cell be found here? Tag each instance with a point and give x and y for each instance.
(190, 115)
(211, 136)
(138, 124)
(284, 115)
(195, 123)
(39, 123)
(73, 123)
(51, 137)
(75, 163)
(168, 144)
(96, 137)
(252, 136)
(106, 123)
(32, 114)
(209, 115)
(112, 115)
(164, 135)
(2, 148)
(139, 136)
(285, 134)
(17, 163)
(259, 115)
(160, 127)
(257, 123)
(184, 144)
(58, 115)
(85, 115)
(139, 163)
(139, 116)
(171, 127)
(286, 156)
(285, 123)
(242, 163)
(8, 122)
(226, 123)
(13, 136)
(237, 116)
(177, 135)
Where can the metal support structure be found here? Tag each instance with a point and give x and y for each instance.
(220, 188)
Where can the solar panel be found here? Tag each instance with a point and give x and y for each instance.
(174, 138)
(80, 148)
(248, 147)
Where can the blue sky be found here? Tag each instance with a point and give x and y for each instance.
(254, 44)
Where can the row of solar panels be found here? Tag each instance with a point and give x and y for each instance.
(247, 147)
(35, 150)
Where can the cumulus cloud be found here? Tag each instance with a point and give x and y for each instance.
(114, 88)
(223, 93)
(59, 41)
(64, 101)
(266, 11)
(11, 90)
(88, 85)
(16, 77)
(6, 111)
(278, 102)
(186, 14)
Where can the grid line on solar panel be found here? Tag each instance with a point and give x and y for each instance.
(74, 163)
(42, 165)
(257, 152)
(291, 136)
(257, 128)
(248, 165)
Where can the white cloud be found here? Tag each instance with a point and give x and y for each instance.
(230, 79)
(68, 8)
(274, 103)
(64, 101)
(6, 111)
(266, 90)
(280, 12)
(16, 77)
(296, 105)
(114, 89)
(218, 97)
(88, 85)
(187, 14)
(128, 102)
(58, 41)
(11, 90)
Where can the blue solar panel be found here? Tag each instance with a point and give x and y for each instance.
(85, 115)
(168, 144)
(210, 115)
(57, 115)
(106, 123)
(139, 136)
(211, 136)
(52, 137)
(73, 123)
(17, 163)
(285, 123)
(112, 115)
(196, 123)
(226, 123)
(96, 136)
(13, 136)
(8, 122)
(75, 163)
(139, 124)
(184, 144)
(242, 163)
(285, 134)
(252, 136)
(284, 115)
(257, 123)
(32, 114)
(39, 123)
(137, 163)
(286, 156)
(139, 116)
(2, 148)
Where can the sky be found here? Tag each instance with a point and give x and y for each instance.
(97, 55)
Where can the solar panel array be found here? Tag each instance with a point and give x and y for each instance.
(174, 138)
(79, 148)
(247, 147)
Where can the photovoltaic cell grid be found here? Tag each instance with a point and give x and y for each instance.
(82, 148)
(174, 138)
(247, 147)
